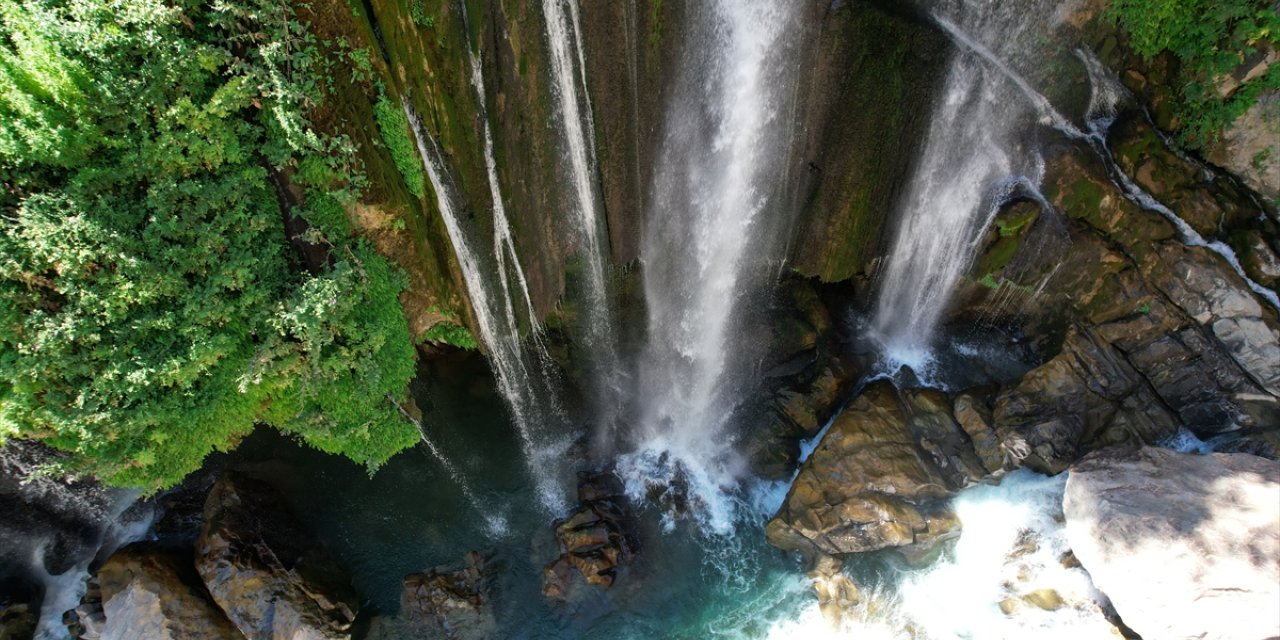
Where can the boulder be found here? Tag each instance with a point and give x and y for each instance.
(450, 603)
(153, 593)
(266, 571)
(593, 539)
(870, 485)
(1185, 546)
(1086, 397)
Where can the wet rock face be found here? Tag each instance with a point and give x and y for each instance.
(594, 543)
(879, 478)
(265, 571)
(450, 603)
(149, 592)
(1185, 546)
(1085, 396)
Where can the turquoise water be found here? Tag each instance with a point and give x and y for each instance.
(411, 516)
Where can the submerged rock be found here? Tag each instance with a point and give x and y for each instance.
(153, 593)
(17, 621)
(265, 570)
(878, 479)
(450, 603)
(593, 539)
(1185, 546)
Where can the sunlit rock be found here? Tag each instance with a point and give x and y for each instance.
(154, 593)
(265, 570)
(1185, 546)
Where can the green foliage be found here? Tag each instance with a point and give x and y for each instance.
(1210, 39)
(447, 332)
(418, 14)
(394, 127)
(150, 308)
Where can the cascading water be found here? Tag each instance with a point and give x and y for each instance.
(973, 155)
(525, 385)
(568, 66)
(701, 243)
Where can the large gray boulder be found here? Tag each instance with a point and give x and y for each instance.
(1185, 546)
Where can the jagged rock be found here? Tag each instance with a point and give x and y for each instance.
(837, 594)
(153, 593)
(795, 413)
(867, 486)
(88, 619)
(451, 604)
(593, 539)
(265, 570)
(1261, 260)
(973, 415)
(1185, 546)
(17, 621)
(930, 416)
(1086, 397)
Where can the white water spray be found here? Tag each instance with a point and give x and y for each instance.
(527, 396)
(700, 242)
(970, 162)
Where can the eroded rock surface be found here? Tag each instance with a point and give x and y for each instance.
(152, 593)
(265, 570)
(450, 603)
(878, 478)
(1185, 546)
(593, 539)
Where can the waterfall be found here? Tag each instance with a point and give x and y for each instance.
(700, 243)
(568, 65)
(971, 163)
(525, 385)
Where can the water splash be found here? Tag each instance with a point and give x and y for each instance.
(712, 186)
(528, 397)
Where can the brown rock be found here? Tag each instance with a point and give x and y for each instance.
(264, 569)
(1046, 599)
(593, 541)
(975, 419)
(1087, 396)
(867, 486)
(450, 603)
(153, 593)
(17, 621)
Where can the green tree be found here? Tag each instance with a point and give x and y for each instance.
(151, 309)
(1209, 39)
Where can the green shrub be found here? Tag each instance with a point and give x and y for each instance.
(1209, 38)
(394, 127)
(150, 308)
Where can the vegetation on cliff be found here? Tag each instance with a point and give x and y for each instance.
(176, 264)
(1212, 40)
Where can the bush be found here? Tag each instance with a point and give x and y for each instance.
(1209, 38)
(150, 308)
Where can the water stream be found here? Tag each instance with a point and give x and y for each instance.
(701, 246)
(568, 66)
(525, 385)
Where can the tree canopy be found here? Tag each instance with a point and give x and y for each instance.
(151, 306)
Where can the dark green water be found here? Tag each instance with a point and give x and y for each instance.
(412, 516)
